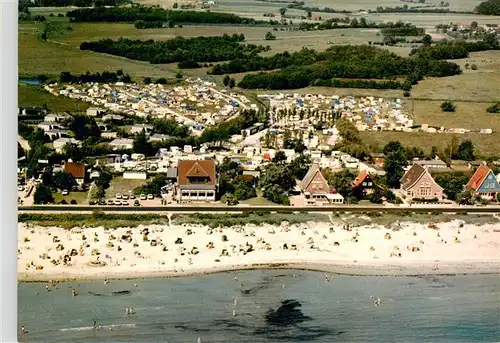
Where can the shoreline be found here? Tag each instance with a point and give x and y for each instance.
(340, 268)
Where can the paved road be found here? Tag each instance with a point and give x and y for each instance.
(24, 143)
(271, 209)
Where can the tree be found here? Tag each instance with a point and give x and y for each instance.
(282, 11)
(394, 163)
(309, 14)
(276, 194)
(269, 36)
(232, 83)
(279, 157)
(466, 151)
(84, 127)
(175, 5)
(278, 175)
(473, 25)
(72, 151)
(104, 179)
(64, 180)
(20, 151)
(225, 80)
(427, 40)
(147, 80)
(448, 106)
(100, 193)
(299, 166)
(495, 108)
(161, 81)
(467, 197)
(43, 195)
(452, 183)
(342, 181)
(141, 144)
(229, 199)
(243, 190)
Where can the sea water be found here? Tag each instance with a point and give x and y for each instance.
(265, 306)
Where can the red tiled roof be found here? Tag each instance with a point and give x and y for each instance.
(75, 169)
(477, 179)
(359, 180)
(194, 168)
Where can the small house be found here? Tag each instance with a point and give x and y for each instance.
(417, 182)
(314, 186)
(484, 183)
(196, 180)
(77, 170)
(363, 184)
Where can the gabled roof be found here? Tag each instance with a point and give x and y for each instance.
(75, 169)
(360, 179)
(311, 173)
(478, 178)
(412, 176)
(195, 168)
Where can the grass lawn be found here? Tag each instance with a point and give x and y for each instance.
(80, 197)
(122, 186)
(30, 95)
(485, 145)
(258, 200)
(52, 57)
(475, 85)
(468, 115)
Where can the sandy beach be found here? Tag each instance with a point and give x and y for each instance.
(405, 248)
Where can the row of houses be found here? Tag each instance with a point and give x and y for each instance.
(417, 183)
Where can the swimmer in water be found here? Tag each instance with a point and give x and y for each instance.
(23, 329)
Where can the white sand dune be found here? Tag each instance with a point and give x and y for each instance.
(452, 247)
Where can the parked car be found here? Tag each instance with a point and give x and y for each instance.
(118, 196)
(137, 203)
(150, 196)
(125, 203)
(20, 188)
(65, 192)
(143, 197)
(132, 196)
(125, 196)
(111, 202)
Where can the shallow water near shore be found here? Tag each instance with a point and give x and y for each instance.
(271, 306)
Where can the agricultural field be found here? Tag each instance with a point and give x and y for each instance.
(54, 56)
(474, 85)
(485, 145)
(468, 115)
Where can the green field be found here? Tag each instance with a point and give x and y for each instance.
(29, 95)
(485, 145)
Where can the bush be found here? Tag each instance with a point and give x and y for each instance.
(73, 202)
(448, 106)
(473, 66)
(495, 108)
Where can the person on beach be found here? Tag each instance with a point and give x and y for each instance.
(95, 326)
(23, 330)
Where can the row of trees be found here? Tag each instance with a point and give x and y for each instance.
(179, 49)
(74, 3)
(156, 13)
(105, 77)
(489, 7)
(456, 49)
(363, 62)
(407, 30)
(354, 23)
(277, 61)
